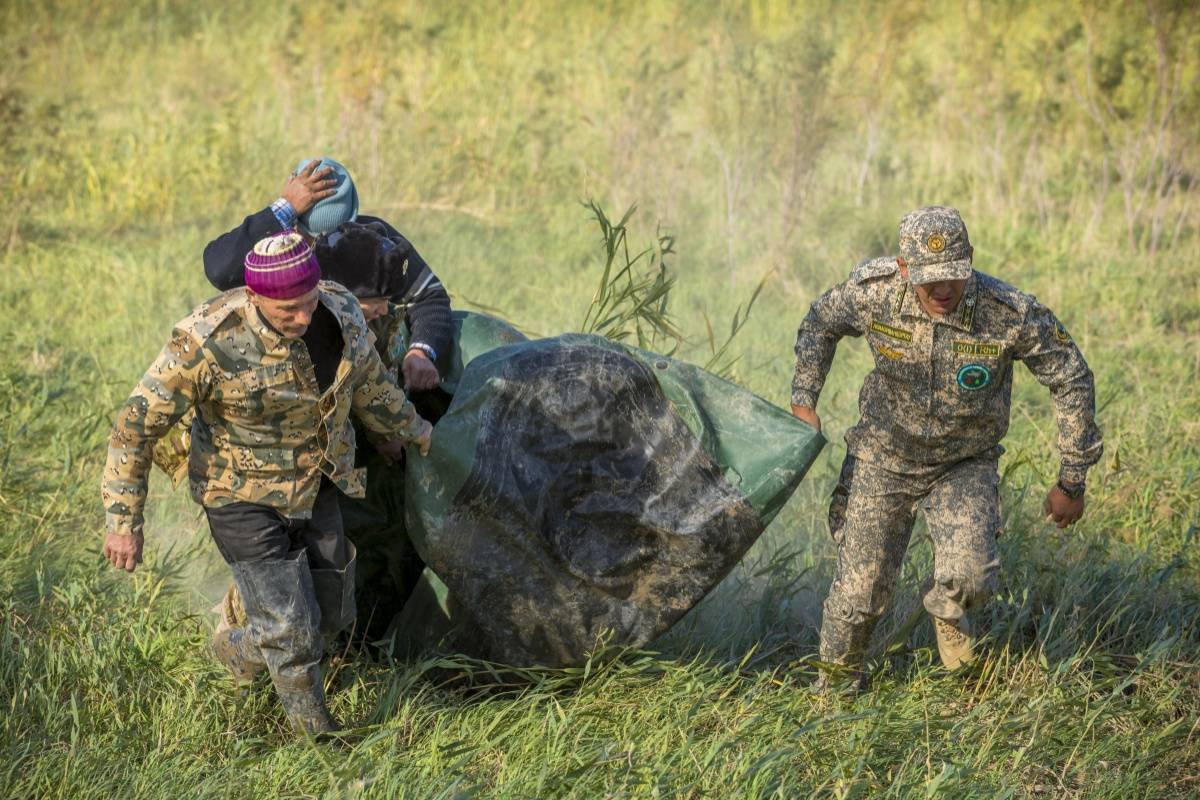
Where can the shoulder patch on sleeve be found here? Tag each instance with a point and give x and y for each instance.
(874, 268)
(1060, 333)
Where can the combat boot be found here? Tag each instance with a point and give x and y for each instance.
(842, 648)
(285, 621)
(844, 682)
(954, 641)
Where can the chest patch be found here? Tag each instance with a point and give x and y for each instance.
(888, 352)
(899, 334)
(974, 377)
(975, 348)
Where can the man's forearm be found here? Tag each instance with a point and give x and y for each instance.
(814, 356)
(382, 406)
(126, 474)
(165, 393)
(430, 321)
(1079, 440)
(224, 257)
(830, 317)
(1080, 443)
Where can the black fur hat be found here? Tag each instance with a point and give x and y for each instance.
(366, 260)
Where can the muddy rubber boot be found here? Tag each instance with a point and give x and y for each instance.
(954, 641)
(235, 648)
(334, 589)
(231, 642)
(285, 624)
(231, 610)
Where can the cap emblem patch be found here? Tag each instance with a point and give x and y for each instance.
(974, 377)
(936, 243)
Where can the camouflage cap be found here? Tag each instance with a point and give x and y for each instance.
(934, 245)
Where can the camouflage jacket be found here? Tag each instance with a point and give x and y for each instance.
(262, 431)
(941, 388)
(390, 337)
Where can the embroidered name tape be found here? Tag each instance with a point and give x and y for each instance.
(975, 348)
(899, 334)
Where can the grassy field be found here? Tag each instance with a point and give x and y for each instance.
(774, 141)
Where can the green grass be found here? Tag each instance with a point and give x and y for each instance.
(777, 144)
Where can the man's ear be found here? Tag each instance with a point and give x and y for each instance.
(971, 254)
(903, 267)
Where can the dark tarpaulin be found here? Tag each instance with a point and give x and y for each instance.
(581, 491)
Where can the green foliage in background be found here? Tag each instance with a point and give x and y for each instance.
(768, 146)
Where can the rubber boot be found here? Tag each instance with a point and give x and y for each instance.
(231, 609)
(232, 644)
(954, 641)
(285, 623)
(334, 589)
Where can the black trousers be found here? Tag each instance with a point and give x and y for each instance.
(251, 532)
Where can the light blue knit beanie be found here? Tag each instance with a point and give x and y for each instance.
(339, 207)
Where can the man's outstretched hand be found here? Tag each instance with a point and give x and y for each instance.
(308, 186)
(806, 414)
(419, 372)
(1063, 510)
(123, 550)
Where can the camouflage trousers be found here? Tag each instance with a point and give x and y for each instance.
(871, 518)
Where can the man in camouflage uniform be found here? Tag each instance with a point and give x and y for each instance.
(375, 266)
(272, 372)
(933, 412)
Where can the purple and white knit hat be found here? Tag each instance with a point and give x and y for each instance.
(282, 267)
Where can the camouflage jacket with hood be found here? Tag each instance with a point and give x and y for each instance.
(941, 388)
(262, 431)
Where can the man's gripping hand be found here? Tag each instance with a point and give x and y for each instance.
(806, 414)
(424, 439)
(419, 372)
(394, 449)
(1061, 509)
(306, 187)
(124, 550)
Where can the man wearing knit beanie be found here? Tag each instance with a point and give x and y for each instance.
(269, 374)
(317, 198)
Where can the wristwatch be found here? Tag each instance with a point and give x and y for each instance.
(1072, 490)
